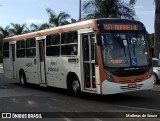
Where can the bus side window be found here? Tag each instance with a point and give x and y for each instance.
(31, 47)
(69, 43)
(53, 45)
(20, 49)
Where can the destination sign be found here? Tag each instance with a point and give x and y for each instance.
(121, 26)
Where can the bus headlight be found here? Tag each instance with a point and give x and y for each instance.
(110, 77)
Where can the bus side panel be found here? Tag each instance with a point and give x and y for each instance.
(20, 64)
(54, 73)
(67, 67)
(49, 71)
(29, 67)
(57, 69)
(31, 70)
(7, 64)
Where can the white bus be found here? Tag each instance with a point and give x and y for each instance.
(101, 56)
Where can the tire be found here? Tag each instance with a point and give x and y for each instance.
(155, 79)
(22, 78)
(75, 87)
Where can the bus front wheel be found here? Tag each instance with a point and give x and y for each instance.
(22, 78)
(75, 86)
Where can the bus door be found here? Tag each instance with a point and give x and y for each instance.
(88, 50)
(13, 69)
(41, 64)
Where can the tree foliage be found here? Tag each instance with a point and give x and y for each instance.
(132, 2)
(57, 19)
(107, 9)
(35, 27)
(4, 32)
(17, 29)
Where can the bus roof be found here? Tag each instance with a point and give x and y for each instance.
(66, 28)
(60, 29)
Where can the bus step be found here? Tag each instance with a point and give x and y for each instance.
(43, 84)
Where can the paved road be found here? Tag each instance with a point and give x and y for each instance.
(14, 98)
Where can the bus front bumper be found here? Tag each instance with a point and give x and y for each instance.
(113, 88)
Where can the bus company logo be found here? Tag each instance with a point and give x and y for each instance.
(6, 115)
(21, 115)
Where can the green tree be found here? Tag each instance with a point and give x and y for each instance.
(4, 32)
(18, 29)
(57, 19)
(107, 9)
(35, 27)
(132, 2)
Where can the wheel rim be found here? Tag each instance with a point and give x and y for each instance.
(75, 86)
(155, 78)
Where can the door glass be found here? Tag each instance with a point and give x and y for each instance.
(41, 51)
(88, 45)
(86, 65)
(92, 47)
(92, 64)
(85, 48)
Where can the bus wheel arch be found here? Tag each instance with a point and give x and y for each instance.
(22, 77)
(73, 83)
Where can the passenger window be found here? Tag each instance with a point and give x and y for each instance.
(31, 47)
(53, 45)
(20, 49)
(69, 43)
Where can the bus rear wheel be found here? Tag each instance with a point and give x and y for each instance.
(22, 78)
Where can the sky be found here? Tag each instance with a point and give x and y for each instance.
(34, 11)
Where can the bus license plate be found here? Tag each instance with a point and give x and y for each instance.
(132, 85)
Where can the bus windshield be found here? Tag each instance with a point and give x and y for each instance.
(125, 49)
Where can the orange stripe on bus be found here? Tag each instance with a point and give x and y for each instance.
(102, 74)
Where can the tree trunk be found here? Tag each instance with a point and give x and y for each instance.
(157, 29)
